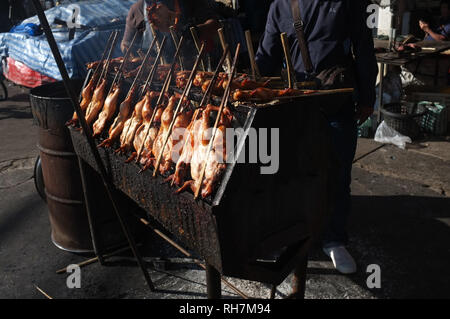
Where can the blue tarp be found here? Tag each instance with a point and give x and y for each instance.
(97, 19)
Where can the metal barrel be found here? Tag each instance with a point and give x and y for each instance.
(51, 109)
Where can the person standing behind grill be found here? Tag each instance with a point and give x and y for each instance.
(199, 14)
(334, 29)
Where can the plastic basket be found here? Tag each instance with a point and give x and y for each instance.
(435, 119)
(404, 117)
(440, 98)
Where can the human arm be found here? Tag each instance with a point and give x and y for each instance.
(426, 28)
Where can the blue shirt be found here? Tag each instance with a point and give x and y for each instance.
(443, 28)
(333, 29)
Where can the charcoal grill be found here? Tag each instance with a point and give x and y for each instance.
(250, 216)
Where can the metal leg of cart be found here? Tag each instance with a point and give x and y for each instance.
(299, 281)
(91, 221)
(380, 93)
(213, 282)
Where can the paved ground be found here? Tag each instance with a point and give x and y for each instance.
(401, 222)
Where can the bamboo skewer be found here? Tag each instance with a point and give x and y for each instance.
(219, 114)
(187, 254)
(119, 72)
(149, 80)
(197, 45)
(186, 92)
(141, 68)
(163, 91)
(288, 58)
(175, 39)
(251, 53)
(223, 42)
(102, 59)
(214, 78)
(155, 36)
(95, 259)
(151, 75)
(43, 292)
(105, 67)
(207, 94)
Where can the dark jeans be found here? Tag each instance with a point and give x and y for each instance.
(343, 130)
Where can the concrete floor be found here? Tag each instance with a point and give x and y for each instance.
(400, 221)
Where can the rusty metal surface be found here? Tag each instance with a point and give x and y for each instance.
(51, 109)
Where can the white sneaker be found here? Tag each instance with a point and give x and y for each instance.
(342, 260)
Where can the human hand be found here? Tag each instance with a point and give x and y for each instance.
(363, 112)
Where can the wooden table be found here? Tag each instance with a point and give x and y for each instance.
(429, 49)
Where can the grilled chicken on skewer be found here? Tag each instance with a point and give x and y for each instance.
(147, 113)
(166, 119)
(217, 158)
(109, 108)
(183, 167)
(118, 125)
(133, 123)
(86, 96)
(98, 99)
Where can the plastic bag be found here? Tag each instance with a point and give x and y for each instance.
(388, 135)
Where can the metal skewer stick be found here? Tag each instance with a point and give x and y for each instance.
(102, 59)
(288, 58)
(108, 59)
(147, 81)
(223, 42)
(219, 114)
(197, 45)
(119, 72)
(141, 68)
(102, 63)
(151, 75)
(251, 54)
(186, 92)
(161, 95)
(175, 39)
(88, 134)
(206, 96)
(158, 46)
(104, 72)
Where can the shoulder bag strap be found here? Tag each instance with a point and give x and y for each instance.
(299, 30)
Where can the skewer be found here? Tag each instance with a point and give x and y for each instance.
(288, 58)
(163, 91)
(141, 68)
(97, 68)
(106, 67)
(214, 78)
(219, 114)
(223, 42)
(207, 93)
(197, 45)
(186, 92)
(43, 292)
(158, 46)
(153, 70)
(175, 39)
(251, 54)
(118, 77)
(149, 80)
